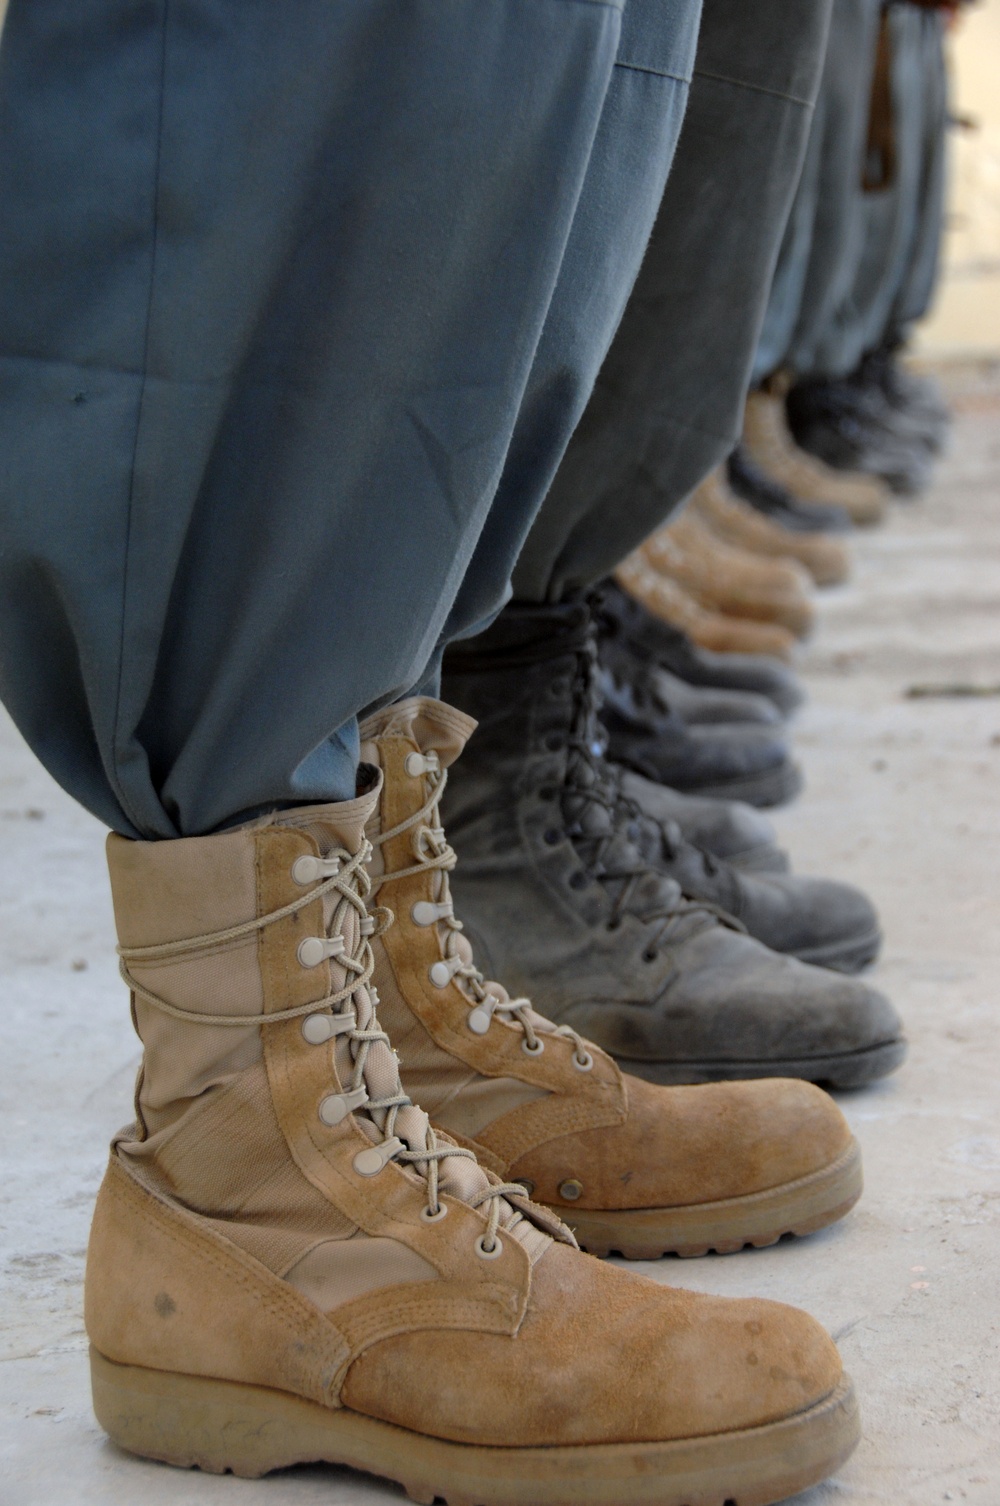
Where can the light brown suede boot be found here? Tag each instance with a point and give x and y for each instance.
(725, 635)
(287, 1264)
(733, 581)
(632, 1167)
(769, 442)
(735, 522)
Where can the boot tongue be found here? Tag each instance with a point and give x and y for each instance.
(432, 726)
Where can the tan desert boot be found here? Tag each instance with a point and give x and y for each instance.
(632, 1167)
(735, 522)
(729, 580)
(769, 442)
(668, 600)
(288, 1264)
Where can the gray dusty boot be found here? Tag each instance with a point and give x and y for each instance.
(729, 829)
(706, 706)
(651, 639)
(558, 897)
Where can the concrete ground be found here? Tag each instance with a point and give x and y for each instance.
(903, 797)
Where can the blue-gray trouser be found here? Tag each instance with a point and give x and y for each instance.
(825, 230)
(668, 403)
(904, 223)
(281, 293)
(870, 266)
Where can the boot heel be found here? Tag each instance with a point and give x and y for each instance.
(187, 1420)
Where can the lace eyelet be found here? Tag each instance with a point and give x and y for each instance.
(583, 1063)
(487, 1254)
(427, 1216)
(551, 837)
(532, 1050)
(614, 924)
(649, 956)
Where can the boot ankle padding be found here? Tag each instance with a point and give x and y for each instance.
(165, 891)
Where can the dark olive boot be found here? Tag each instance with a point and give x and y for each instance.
(743, 761)
(558, 896)
(729, 829)
(650, 638)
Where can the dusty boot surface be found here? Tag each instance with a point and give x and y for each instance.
(735, 522)
(702, 706)
(730, 829)
(561, 903)
(853, 427)
(631, 1166)
(731, 580)
(289, 1264)
(650, 639)
(743, 761)
(767, 496)
(769, 443)
(668, 600)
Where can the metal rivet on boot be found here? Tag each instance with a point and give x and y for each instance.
(442, 973)
(571, 1190)
(309, 870)
(336, 1106)
(421, 763)
(317, 1028)
(424, 913)
(479, 1019)
(368, 1163)
(312, 950)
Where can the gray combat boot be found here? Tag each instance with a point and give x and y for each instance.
(558, 896)
(729, 829)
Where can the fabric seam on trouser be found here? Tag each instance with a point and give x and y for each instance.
(117, 784)
(742, 83)
(680, 78)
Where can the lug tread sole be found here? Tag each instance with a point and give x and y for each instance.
(228, 1427)
(756, 1220)
(849, 1069)
(848, 956)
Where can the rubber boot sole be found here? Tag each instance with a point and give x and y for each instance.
(850, 1069)
(848, 956)
(224, 1426)
(771, 787)
(759, 1218)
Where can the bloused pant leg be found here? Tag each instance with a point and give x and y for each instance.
(272, 280)
(890, 215)
(666, 406)
(923, 264)
(621, 195)
(823, 266)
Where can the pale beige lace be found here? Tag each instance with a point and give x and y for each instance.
(352, 883)
(431, 849)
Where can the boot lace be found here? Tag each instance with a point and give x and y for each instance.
(352, 1018)
(433, 853)
(592, 788)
